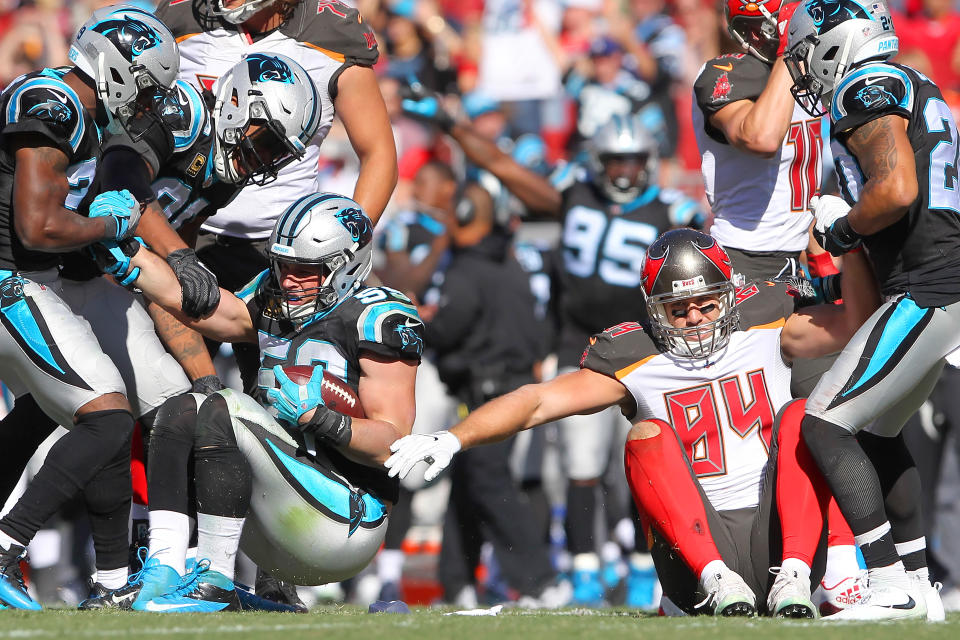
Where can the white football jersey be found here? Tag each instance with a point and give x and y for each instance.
(759, 204)
(324, 37)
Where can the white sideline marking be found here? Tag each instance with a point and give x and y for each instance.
(168, 631)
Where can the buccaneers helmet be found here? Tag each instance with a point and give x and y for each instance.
(753, 24)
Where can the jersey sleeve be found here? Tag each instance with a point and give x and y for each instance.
(870, 92)
(186, 17)
(338, 30)
(388, 324)
(729, 78)
(49, 108)
(618, 349)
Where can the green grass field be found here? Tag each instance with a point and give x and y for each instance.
(355, 623)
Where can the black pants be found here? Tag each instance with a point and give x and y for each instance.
(235, 262)
(485, 504)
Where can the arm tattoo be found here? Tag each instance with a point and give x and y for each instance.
(183, 343)
(875, 147)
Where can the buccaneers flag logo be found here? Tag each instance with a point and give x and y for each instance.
(721, 90)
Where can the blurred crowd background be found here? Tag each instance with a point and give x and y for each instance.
(538, 77)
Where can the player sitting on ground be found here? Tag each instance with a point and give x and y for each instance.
(311, 478)
(713, 365)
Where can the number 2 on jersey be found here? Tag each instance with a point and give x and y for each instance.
(807, 139)
(943, 158)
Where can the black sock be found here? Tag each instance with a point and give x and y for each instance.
(581, 512)
(853, 481)
(900, 484)
(72, 462)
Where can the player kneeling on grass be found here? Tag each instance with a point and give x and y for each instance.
(298, 485)
(714, 459)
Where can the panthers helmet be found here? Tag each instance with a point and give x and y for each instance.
(329, 231)
(829, 37)
(753, 25)
(275, 93)
(126, 51)
(623, 138)
(682, 264)
(240, 14)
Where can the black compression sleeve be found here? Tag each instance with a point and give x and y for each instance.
(123, 168)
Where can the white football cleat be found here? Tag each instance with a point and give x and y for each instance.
(728, 594)
(789, 596)
(931, 597)
(886, 602)
(842, 595)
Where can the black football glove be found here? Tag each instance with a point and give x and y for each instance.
(207, 385)
(201, 291)
(424, 105)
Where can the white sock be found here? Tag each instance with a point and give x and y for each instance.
(894, 575)
(791, 565)
(390, 565)
(610, 552)
(713, 567)
(922, 574)
(218, 538)
(111, 578)
(586, 562)
(6, 541)
(169, 537)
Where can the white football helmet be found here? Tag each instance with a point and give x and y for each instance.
(325, 230)
(126, 51)
(275, 93)
(623, 139)
(241, 13)
(827, 38)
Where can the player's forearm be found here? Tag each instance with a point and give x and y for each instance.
(370, 441)
(378, 178)
(766, 123)
(501, 418)
(533, 190)
(861, 292)
(157, 232)
(184, 344)
(881, 204)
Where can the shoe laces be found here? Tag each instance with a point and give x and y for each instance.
(10, 566)
(189, 582)
(145, 568)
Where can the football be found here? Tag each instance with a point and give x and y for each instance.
(336, 393)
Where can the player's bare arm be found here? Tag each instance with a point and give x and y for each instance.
(758, 127)
(532, 189)
(360, 107)
(157, 232)
(184, 344)
(229, 322)
(822, 329)
(581, 392)
(885, 155)
(39, 189)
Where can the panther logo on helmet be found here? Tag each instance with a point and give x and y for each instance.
(357, 224)
(263, 68)
(130, 36)
(873, 96)
(827, 14)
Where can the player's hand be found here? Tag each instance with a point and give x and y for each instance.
(436, 449)
(114, 258)
(121, 210)
(783, 24)
(292, 400)
(832, 227)
(422, 104)
(201, 291)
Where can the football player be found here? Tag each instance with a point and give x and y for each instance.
(310, 477)
(50, 357)
(213, 159)
(702, 383)
(896, 149)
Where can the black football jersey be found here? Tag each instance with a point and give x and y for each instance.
(726, 79)
(377, 320)
(603, 246)
(41, 103)
(920, 253)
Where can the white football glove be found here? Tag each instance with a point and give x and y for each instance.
(826, 209)
(436, 449)
(832, 228)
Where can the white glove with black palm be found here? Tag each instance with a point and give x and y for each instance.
(832, 227)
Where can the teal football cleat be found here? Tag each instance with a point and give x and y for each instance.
(13, 591)
(203, 591)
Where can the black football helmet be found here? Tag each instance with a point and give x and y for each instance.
(682, 264)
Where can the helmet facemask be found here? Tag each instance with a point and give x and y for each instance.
(334, 273)
(809, 91)
(241, 13)
(702, 340)
(757, 35)
(625, 188)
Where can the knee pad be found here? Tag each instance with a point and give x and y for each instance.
(214, 424)
(176, 419)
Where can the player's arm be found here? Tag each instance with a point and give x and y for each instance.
(387, 397)
(230, 321)
(40, 189)
(886, 158)
(759, 126)
(359, 104)
(403, 274)
(184, 344)
(826, 328)
(580, 392)
(532, 189)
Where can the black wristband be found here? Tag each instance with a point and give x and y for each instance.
(830, 287)
(844, 232)
(327, 424)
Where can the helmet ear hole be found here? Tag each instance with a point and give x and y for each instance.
(831, 53)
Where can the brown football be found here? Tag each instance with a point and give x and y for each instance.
(336, 393)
